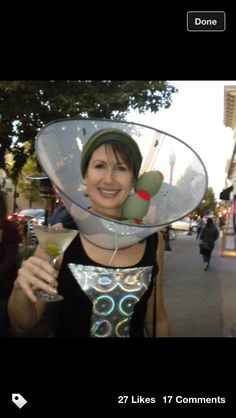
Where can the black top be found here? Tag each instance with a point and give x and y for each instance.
(74, 312)
(209, 233)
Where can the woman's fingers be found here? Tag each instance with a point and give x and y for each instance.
(36, 273)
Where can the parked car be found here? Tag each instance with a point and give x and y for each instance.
(28, 214)
(25, 221)
(184, 225)
(32, 217)
(172, 233)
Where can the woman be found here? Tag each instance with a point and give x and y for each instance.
(9, 240)
(110, 163)
(208, 237)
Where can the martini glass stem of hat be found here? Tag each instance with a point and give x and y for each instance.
(54, 242)
(115, 250)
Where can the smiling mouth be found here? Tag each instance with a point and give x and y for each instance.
(108, 193)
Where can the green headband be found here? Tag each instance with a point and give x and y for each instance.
(111, 134)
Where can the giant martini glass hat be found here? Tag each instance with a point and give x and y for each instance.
(59, 147)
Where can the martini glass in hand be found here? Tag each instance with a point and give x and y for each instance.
(54, 242)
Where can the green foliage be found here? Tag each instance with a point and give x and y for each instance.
(30, 188)
(208, 203)
(26, 106)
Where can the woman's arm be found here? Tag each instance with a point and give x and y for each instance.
(162, 322)
(25, 310)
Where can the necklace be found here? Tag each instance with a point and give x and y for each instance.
(113, 256)
(115, 251)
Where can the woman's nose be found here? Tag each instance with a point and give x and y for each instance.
(109, 175)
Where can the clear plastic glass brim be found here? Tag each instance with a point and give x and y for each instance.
(58, 148)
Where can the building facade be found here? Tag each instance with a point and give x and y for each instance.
(229, 193)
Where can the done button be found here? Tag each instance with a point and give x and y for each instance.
(206, 21)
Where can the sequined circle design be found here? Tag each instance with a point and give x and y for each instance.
(114, 293)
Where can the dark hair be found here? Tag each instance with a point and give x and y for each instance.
(3, 209)
(209, 222)
(120, 151)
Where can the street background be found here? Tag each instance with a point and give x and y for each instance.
(199, 303)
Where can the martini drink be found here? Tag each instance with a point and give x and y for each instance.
(54, 242)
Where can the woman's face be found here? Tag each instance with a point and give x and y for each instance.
(108, 182)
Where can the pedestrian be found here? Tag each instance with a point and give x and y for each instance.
(166, 235)
(208, 236)
(9, 241)
(120, 293)
(200, 226)
(60, 217)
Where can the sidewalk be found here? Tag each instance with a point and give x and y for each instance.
(199, 303)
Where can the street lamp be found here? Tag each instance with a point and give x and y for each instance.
(172, 160)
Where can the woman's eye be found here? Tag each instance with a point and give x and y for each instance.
(121, 168)
(100, 166)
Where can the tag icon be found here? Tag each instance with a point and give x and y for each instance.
(18, 400)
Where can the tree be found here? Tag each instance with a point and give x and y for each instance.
(21, 153)
(26, 106)
(208, 203)
(30, 188)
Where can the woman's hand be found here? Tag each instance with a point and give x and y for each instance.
(36, 273)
